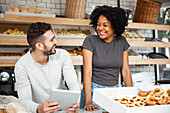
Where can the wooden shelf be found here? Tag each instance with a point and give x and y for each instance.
(13, 41)
(23, 41)
(8, 62)
(79, 42)
(12, 62)
(148, 44)
(50, 20)
(78, 22)
(148, 61)
(148, 26)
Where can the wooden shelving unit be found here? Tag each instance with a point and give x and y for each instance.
(50, 20)
(78, 42)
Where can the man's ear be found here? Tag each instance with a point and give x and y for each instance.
(39, 46)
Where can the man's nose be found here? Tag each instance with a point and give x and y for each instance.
(55, 41)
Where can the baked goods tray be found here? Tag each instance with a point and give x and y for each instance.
(30, 14)
(72, 32)
(104, 98)
(12, 36)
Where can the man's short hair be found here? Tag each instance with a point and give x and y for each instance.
(35, 33)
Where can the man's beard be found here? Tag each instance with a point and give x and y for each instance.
(49, 52)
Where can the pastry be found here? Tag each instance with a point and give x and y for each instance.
(123, 101)
(158, 94)
(116, 99)
(139, 104)
(157, 90)
(9, 9)
(130, 105)
(151, 102)
(142, 93)
(168, 91)
(150, 92)
(45, 12)
(131, 101)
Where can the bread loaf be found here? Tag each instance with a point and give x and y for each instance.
(45, 12)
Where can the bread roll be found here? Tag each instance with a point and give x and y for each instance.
(45, 12)
(23, 10)
(8, 9)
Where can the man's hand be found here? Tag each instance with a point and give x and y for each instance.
(73, 109)
(91, 107)
(48, 107)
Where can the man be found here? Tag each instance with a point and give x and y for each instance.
(42, 68)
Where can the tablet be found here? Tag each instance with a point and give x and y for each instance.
(65, 98)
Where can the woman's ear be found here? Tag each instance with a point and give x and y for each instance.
(39, 46)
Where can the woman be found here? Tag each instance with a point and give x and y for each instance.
(105, 54)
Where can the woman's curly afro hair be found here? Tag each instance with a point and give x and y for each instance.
(117, 16)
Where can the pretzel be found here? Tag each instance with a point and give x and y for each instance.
(159, 93)
(151, 102)
(150, 92)
(142, 93)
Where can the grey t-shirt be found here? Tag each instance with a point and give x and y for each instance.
(107, 58)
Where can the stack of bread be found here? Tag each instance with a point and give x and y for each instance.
(153, 97)
(14, 54)
(14, 32)
(69, 32)
(134, 34)
(75, 52)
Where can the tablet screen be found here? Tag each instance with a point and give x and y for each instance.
(65, 98)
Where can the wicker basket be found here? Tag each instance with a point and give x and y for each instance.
(147, 11)
(75, 9)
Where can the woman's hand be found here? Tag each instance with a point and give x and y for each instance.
(91, 107)
(48, 107)
(73, 109)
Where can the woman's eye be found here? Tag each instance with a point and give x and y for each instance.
(105, 25)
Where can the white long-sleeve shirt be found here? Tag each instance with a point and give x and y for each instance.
(34, 81)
